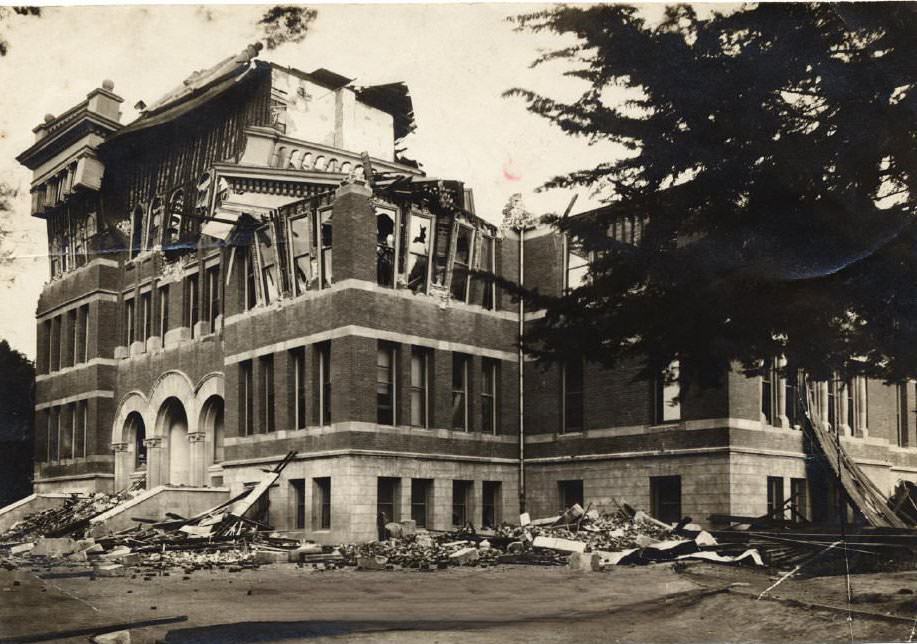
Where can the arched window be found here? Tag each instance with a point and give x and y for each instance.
(306, 163)
(154, 227)
(294, 159)
(174, 222)
(332, 165)
(320, 163)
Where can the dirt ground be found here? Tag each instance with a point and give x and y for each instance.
(284, 603)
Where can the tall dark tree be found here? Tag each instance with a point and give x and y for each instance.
(17, 378)
(773, 149)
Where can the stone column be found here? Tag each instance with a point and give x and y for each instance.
(197, 442)
(122, 464)
(843, 408)
(822, 389)
(476, 501)
(861, 406)
(780, 383)
(404, 510)
(155, 462)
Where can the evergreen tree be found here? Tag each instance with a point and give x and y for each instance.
(772, 149)
(17, 379)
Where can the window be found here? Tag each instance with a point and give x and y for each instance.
(128, 322)
(298, 487)
(571, 493)
(53, 434)
(461, 262)
(665, 498)
(901, 414)
(325, 236)
(420, 369)
(213, 304)
(68, 428)
(84, 329)
(489, 377)
(799, 500)
(72, 319)
(833, 402)
(136, 230)
(173, 227)
(146, 315)
(388, 493)
(850, 392)
(487, 263)
(775, 499)
(139, 435)
(668, 394)
(266, 398)
(218, 432)
(460, 392)
(577, 266)
(249, 292)
(301, 260)
(191, 305)
(573, 396)
(321, 503)
(491, 503)
(246, 398)
(461, 502)
(385, 384)
(270, 287)
(385, 247)
(298, 384)
(154, 226)
(421, 237)
(163, 311)
(83, 427)
(421, 499)
(323, 360)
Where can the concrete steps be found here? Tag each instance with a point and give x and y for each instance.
(18, 510)
(154, 503)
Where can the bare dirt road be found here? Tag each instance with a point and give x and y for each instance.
(283, 603)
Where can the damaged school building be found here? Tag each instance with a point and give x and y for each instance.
(250, 268)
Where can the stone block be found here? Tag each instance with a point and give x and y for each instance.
(54, 547)
(464, 556)
(584, 561)
(371, 563)
(116, 637)
(271, 556)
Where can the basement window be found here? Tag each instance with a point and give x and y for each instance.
(298, 487)
(421, 500)
(571, 493)
(491, 503)
(775, 499)
(461, 502)
(799, 500)
(388, 493)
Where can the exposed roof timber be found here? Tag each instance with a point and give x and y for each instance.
(394, 99)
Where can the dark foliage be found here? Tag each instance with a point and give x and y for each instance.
(773, 150)
(17, 378)
(286, 23)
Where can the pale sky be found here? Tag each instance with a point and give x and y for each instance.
(456, 60)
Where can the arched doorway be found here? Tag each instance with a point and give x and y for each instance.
(212, 425)
(173, 427)
(134, 436)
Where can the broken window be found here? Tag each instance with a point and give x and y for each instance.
(266, 398)
(576, 271)
(267, 257)
(571, 493)
(461, 262)
(421, 500)
(323, 382)
(460, 392)
(461, 502)
(385, 247)
(173, 226)
(213, 305)
(668, 395)
(163, 311)
(146, 315)
(321, 503)
(489, 379)
(775, 500)
(490, 503)
(572, 384)
(420, 362)
(385, 384)
(191, 305)
(298, 360)
(201, 202)
(421, 236)
(128, 322)
(154, 225)
(249, 290)
(665, 498)
(246, 398)
(302, 264)
(325, 235)
(487, 262)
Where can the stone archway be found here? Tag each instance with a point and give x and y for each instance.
(211, 424)
(128, 438)
(172, 427)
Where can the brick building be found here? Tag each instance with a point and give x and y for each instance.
(229, 284)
